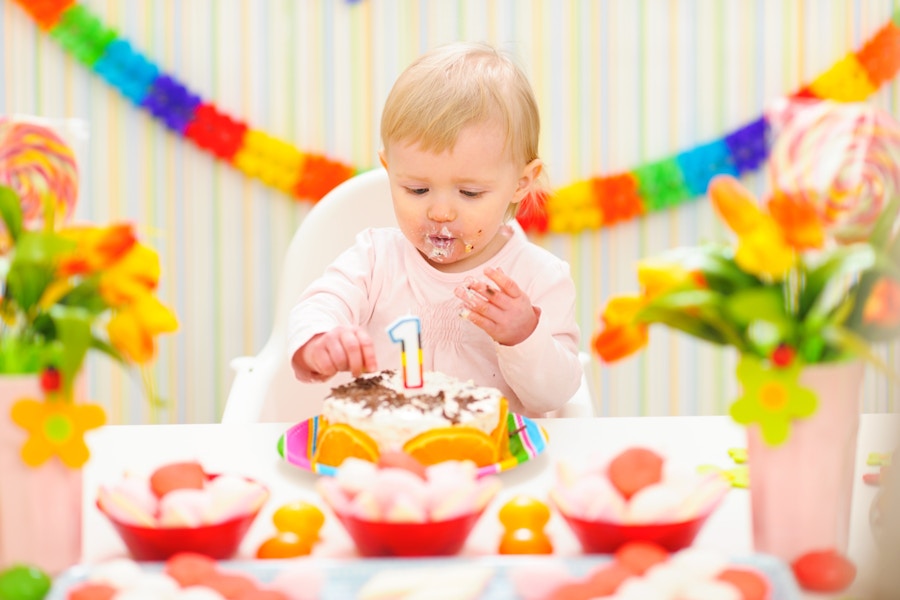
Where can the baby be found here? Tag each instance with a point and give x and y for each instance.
(460, 135)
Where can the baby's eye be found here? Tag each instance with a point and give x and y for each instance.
(417, 191)
(470, 194)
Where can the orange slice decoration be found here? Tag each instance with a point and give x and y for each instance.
(452, 443)
(339, 442)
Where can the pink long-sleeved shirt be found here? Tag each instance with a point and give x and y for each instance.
(383, 277)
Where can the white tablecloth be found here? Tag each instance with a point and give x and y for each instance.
(250, 449)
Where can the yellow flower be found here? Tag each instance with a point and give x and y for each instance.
(56, 429)
(96, 248)
(763, 248)
(764, 251)
(136, 274)
(133, 328)
(659, 276)
(620, 336)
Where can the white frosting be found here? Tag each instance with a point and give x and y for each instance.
(392, 425)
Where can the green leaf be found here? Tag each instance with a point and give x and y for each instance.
(73, 330)
(677, 319)
(11, 211)
(756, 304)
(848, 260)
(856, 345)
(26, 282)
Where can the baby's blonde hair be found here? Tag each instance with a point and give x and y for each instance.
(456, 85)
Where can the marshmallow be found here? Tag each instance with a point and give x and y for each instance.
(185, 507)
(130, 501)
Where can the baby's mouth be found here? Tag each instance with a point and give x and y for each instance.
(440, 241)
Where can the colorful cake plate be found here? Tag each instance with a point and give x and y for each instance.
(527, 439)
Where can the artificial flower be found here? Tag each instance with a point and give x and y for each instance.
(95, 248)
(883, 305)
(657, 277)
(56, 429)
(134, 275)
(134, 328)
(772, 398)
(621, 336)
(810, 276)
(798, 220)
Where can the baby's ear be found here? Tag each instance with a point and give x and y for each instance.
(382, 159)
(530, 174)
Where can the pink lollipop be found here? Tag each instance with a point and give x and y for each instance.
(37, 164)
(844, 158)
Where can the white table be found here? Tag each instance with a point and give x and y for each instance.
(250, 449)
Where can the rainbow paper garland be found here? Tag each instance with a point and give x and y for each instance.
(586, 204)
(275, 162)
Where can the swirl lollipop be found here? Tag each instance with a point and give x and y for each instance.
(843, 158)
(37, 164)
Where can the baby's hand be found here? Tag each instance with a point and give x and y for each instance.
(343, 348)
(503, 311)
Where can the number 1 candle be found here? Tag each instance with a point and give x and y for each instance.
(408, 331)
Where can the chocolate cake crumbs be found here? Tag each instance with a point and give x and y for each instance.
(371, 394)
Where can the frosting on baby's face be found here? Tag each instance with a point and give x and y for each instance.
(452, 206)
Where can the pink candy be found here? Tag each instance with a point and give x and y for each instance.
(680, 496)
(222, 498)
(450, 489)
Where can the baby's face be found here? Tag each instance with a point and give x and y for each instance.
(451, 206)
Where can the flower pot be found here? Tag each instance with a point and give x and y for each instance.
(40, 508)
(801, 490)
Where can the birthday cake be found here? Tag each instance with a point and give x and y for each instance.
(445, 419)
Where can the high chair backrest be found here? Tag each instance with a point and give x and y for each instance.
(264, 387)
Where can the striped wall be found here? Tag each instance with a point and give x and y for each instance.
(619, 82)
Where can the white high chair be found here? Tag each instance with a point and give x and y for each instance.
(264, 388)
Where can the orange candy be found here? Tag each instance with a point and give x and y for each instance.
(452, 443)
(176, 476)
(189, 568)
(638, 557)
(752, 585)
(284, 544)
(634, 469)
(525, 541)
(524, 512)
(339, 442)
(301, 518)
(92, 591)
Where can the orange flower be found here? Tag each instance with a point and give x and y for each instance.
(882, 307)
(96, 248)
(763, 247)
(735, 204)
(621, 336)
(56, 429)
(799, 221)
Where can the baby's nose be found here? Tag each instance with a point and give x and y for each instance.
(441, 212)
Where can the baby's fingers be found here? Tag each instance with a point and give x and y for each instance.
(506, 285)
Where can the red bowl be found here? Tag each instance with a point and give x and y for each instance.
(219, 541)
(604, 537)
(434, 538)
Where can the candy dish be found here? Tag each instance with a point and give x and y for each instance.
(604, 537)
(396, 511)
(526, 440)
(386, 538)
(638, 495)
(219, 540)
